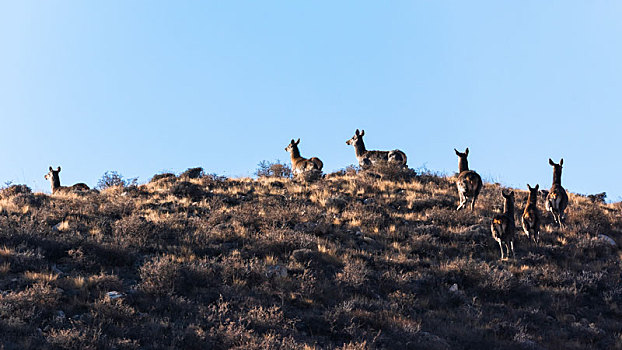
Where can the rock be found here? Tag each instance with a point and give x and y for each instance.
(369, 201)
(607, 239)
(453, 288)
(369, 239)
(302, 255)
(114, 295)
(276, 271)
(60, 315)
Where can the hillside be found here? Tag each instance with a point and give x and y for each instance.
(351, 261)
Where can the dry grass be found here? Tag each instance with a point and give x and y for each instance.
(378, 259)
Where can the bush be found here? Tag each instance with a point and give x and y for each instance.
(276, 169)
(390, 172)
(162, 176)
(188, 190)
(14, 190)
(114, 179)
(193, 173)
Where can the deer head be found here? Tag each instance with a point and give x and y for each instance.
(358, 137)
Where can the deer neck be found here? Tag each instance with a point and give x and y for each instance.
(463, 164)
(55, 182)
(508, 207)
(557, 176)
(295, 153)
(359, 148)
(532, 199)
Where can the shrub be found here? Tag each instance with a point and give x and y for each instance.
(113, 179)
(390, 172)
(188, 190)
(276, 169)
(193, 173)
(598, 197)
(14, 190)
(161, 176)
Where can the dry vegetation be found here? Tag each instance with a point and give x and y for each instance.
(351, 261)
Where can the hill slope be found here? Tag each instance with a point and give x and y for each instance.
(350, 261)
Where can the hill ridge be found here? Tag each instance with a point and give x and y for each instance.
(351, 261)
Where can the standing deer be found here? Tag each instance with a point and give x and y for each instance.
(503, 227)
(300, 164)
(54, 179)
(368, 158)
(469, 182)
(531, 215)
(557, 199)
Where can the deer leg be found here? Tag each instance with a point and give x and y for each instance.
(462, 200)
(501, 247)
(512, 245)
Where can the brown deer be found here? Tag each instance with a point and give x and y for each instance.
(503, 227)
(368, 158)
(531, 215)
(469, 182)
(557, 198)
(54, 179)
(300, 164)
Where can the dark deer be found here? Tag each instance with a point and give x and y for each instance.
(531, 215)
(54, 179)
(368, 158)
(503, 227)
(469, 182)
(557, 198)
(300, 164)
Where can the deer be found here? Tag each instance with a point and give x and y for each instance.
(300, 164)
(557, 198)
(531, 215)
(469, 182)
(503, 227)
(54, 179)
(367, 158)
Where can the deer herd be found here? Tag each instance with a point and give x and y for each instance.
(468, 182)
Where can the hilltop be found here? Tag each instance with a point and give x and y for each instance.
(352, 261)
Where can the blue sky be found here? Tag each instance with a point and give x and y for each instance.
(146, 86)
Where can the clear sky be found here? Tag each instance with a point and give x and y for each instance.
(142, 87)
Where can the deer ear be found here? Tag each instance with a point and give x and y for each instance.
(551, 161)
(457, 153)
(561, 162)
(292, 141)
(537, 187)
(357, 132)
(58, 169)
(297, 142)
(529, 187)
(362, 132)
(50, 168)
(467, 151)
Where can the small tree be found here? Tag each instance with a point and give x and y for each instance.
(113, 178)
(276, 169)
